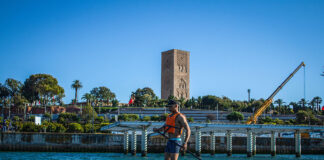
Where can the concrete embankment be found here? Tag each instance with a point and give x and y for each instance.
(67, 142)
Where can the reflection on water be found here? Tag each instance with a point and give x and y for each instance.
(118, 156)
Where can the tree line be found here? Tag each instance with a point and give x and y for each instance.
(45, 90)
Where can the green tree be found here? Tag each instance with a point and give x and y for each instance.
(76, 85)
(191, 103)
(105, 94)
(41, 87)
(199, 102)
(96, 96)
(209, 101)
(318, 101)
(162, 103)
(303, 117)
(102, 94)
(295, 106)
(115, 102)
(88, 113)
(4, 95)
(235, 116)
(312, 104)
(15, 97)
(307, 117)
(88, 97)
(280, 103)
(303, 103)
(144, 97)
(182, 102)
(14, 87)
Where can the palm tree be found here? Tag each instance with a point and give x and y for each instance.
(199, 102)
(312, 104)
(279, 102)
(303, 103)
(318, 101)
(76, 85)
(88, 97)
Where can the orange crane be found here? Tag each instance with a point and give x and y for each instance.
(267, 102)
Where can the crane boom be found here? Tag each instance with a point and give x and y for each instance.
(267, 102)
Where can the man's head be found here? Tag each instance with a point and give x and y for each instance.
(173, 106)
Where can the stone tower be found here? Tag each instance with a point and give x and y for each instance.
(175, 74)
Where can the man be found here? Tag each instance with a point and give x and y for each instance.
(175, 123)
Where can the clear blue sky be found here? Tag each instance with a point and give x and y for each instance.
(234, 45)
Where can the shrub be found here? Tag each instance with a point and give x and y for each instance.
(16, 118)
(211, 117)
(62, 121)
(51, 127)
(104, 124)
(88, 128)
(128, 117)
(47, 116)
(155, 118)
(18, 125)
(59, 128)
(70, 117)
(100, 119)
(278, 121)
(266, 120)
(97, 127)
(164, 117)
(105, 109)
(75, 128)
(31, 118)
(146, 118)
(190, 119)
(30, 127)
(235, 116)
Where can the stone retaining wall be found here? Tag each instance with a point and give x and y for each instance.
(67, 142)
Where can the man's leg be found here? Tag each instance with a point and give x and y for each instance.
(167, 156)
(174, 156)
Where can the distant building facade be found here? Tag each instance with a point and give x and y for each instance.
(175, 74)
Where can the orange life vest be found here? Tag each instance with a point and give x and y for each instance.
(170, 123)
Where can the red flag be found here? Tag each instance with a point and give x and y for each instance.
(323, 108)
(131, 101)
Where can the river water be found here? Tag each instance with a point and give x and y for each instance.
(118, 156)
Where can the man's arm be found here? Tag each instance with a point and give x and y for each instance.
(184, 123)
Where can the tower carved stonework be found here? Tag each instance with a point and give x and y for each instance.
(175, 74)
